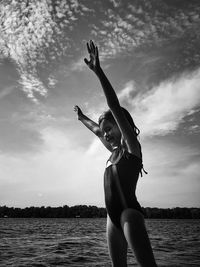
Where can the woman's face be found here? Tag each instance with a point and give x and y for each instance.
(111, 132)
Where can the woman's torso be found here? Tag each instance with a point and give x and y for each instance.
(128, 167)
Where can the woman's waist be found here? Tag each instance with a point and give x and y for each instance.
(111, 186)
(127, 182)
(111, 191)
(114, 200)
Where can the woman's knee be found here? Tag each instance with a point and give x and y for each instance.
(131, 216)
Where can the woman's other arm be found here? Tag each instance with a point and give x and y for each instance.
(92, 126)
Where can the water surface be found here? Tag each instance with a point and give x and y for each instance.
(82, 242)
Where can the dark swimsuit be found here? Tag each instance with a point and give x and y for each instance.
(120, 179)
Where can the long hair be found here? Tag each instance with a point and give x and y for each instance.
(107, 115)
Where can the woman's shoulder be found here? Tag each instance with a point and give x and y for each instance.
(122, 152)
(123, 155)
(128, 154)
(135, 151)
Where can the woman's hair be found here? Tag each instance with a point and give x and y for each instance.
(107, 115)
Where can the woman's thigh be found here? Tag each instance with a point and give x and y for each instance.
(133, 225)
(117, 245)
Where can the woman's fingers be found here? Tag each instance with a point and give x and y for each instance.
(92, 46)
(86, 61)
(96, 52)
(77, 110)
(93, 62)
(88, 48)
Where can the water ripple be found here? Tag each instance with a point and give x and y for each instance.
(82, 242)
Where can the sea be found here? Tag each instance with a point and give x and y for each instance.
(82, 242)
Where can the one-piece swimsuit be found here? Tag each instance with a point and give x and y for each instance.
(121, 184)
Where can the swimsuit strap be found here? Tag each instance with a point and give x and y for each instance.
(142, 170)
(115, 173)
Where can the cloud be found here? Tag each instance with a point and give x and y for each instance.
(167, 26)
(125, 94)
(162, 109)
(194, 129)
(169, 164)
(30, 36)
(31, 84)
(61, 172)
(21, 124)
(79, 65)
(18, 139)
(116, 3)
(38, 34)
(24, 31)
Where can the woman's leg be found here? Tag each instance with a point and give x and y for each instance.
(133, 225)
(117, 245)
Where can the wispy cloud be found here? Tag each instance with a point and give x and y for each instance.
(31, 35)
(32, 84)
(24, 30)
(78, 65)
(116, 3)
(42, 46)
(126, 92)
(162, 109)
(169, 164)
(37, 34)
(141, 28)
(47, 173)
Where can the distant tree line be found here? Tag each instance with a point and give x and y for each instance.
(83, 211)
(173, 213)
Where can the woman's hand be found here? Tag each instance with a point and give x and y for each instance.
(93, 63)
(78, 111)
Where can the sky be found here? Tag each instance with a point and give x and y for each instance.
(149, 49)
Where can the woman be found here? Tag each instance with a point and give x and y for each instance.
(117, 131)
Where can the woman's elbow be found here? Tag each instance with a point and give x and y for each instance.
(98, 133)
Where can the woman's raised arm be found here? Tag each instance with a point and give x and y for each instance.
(112, 101)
